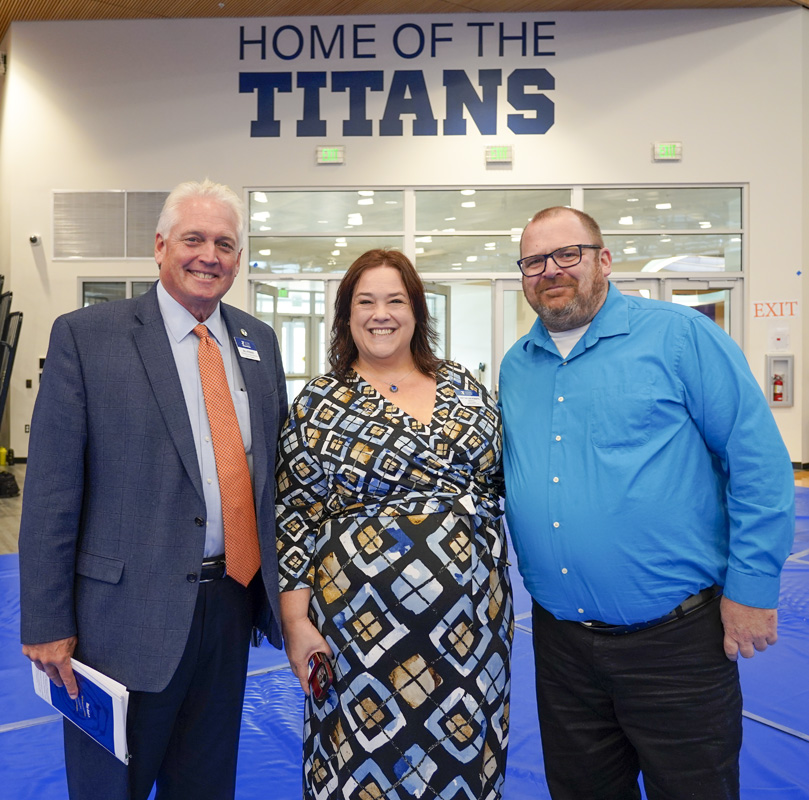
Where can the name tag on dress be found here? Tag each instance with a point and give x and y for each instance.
(469, 397)
(246, 349)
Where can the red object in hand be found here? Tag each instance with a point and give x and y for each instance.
(321, 675)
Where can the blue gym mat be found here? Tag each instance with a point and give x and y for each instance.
(775, 753)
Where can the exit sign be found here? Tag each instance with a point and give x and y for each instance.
(667, 151)
(499, 154)
(331, 155)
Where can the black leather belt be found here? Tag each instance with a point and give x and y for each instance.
(688, 605)
(213, 569)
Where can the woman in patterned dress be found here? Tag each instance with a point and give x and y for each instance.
(393, 558)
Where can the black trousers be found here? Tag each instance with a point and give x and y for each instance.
(664, 701)
(185, 738)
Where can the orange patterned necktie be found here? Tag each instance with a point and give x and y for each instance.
(242, 555)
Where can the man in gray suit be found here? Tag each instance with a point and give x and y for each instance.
(122, 538)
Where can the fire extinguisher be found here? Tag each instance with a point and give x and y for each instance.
(777, 388)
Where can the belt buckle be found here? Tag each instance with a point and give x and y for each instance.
(214, 563)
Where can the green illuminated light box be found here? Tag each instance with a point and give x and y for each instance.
(667, 151)
(335, 154)
(499, 154)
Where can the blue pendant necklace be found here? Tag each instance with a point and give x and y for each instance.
(394, 386)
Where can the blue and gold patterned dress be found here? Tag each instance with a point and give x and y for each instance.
(396, 527)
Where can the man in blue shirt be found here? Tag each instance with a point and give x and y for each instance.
(650, 500)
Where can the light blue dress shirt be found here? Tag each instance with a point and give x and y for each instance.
(643, 467)
(180, 324)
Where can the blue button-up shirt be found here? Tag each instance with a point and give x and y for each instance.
(180, 324)
(643, 467)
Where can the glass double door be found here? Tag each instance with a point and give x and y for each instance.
(295, 310)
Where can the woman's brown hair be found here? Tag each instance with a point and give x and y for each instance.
(342, 350)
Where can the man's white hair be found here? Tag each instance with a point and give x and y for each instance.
(207, 189)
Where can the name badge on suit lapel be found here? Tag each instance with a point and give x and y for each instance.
(246, 349)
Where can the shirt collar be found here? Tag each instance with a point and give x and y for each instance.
(612, 319)
(180, 321)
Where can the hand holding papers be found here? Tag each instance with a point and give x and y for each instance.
(99, 710)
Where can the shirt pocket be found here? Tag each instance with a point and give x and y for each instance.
(620, 416)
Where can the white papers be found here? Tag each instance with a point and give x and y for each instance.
(99, 710)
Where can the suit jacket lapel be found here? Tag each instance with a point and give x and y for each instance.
(153, 345)
(254, 377)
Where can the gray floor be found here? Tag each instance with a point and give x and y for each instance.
(10, 513)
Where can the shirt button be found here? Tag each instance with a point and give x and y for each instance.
(564, 570)
(558, 438)
(580, 610)
(209, 480)
(555, 524)
(556, 480)
(561, 399)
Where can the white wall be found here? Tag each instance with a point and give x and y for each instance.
(142, 105)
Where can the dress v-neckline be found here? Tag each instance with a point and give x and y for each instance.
(425, 426)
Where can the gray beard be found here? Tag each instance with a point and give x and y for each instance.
(579, 311)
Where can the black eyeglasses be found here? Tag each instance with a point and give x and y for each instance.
(564, 257)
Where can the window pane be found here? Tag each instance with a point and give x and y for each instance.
(291, 301)
(281, 256)
(140, 287)
(714, 303)
(102, 292)
(483, 253)
(265, 303)
(483, 209)
(685, 253)
(292, 343)
(311, 212)
(675, 209)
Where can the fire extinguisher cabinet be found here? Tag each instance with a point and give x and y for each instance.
(780, 380)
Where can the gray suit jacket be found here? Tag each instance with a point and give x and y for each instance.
(113, 523)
